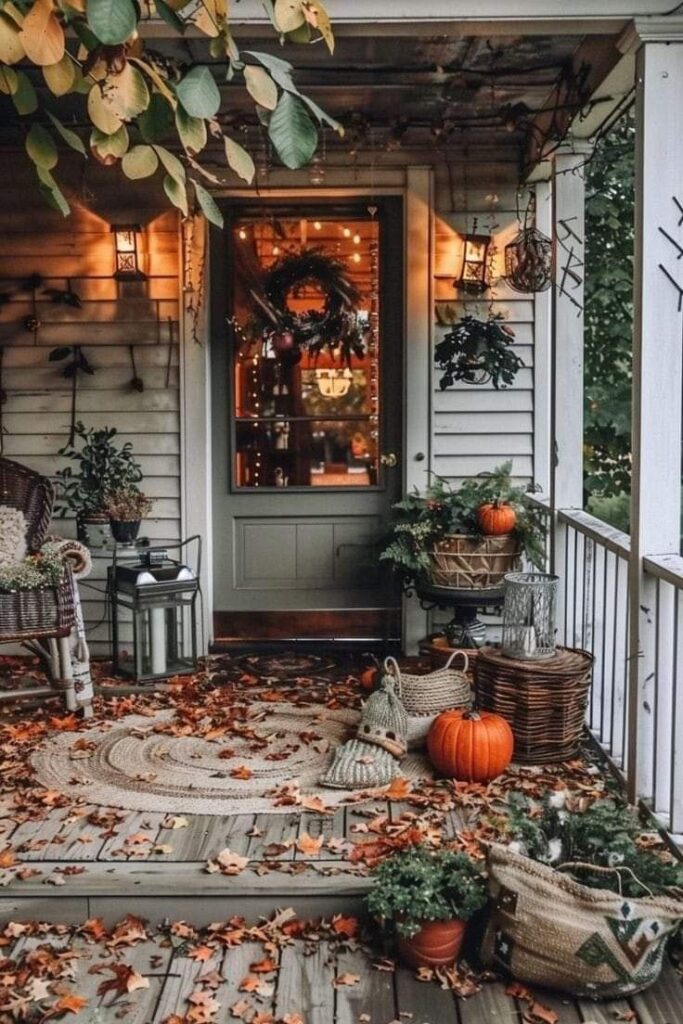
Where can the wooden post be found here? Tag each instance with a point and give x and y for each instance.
(419, 235)
(543, 334)
(657, 362)
(566, 405)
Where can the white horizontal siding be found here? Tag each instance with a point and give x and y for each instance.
(476, 428)
(78, 253)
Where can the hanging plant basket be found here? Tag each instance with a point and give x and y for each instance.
(477, 352)
(336, 327)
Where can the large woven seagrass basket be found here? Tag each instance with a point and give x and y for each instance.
(544, 702)
(425, 696)
(548, 929)
(473, 563)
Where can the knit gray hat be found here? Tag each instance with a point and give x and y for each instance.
(359, 765)
(383, 720)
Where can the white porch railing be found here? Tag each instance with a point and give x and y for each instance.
(592, 560)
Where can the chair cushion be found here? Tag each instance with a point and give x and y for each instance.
(12, 535)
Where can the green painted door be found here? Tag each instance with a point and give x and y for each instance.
(307, 394)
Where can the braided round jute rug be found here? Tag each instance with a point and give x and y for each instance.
(134, 764)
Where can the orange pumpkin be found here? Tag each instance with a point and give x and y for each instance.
(496, 518)
(368, 677)
(472, 746)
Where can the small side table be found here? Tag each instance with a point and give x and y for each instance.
(464, 629)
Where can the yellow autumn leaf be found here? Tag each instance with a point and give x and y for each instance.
(100, 113)
(261, 86)
(60, 77)
(41, 35)
(126, 94)
(289, 15)
(11, 46)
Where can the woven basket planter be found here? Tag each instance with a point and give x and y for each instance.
(473, 563)
(30, 614)
(437, 648)
(425, 696)
(547, 929)
(543, 701)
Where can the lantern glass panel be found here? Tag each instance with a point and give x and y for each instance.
(529, 615)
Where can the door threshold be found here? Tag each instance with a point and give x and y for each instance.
(369, 645)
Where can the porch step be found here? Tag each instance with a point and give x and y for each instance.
(181, 891)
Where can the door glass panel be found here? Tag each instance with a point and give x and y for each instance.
(306, 330)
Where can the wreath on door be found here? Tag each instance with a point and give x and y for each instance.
(336, 327)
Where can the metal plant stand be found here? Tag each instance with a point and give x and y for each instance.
(464, 629)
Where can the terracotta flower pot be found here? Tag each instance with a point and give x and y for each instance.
(437, 943)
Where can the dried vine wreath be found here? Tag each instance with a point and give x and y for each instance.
(336, 327)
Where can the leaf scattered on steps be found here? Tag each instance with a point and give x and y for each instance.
(309, 846)
(227, 863)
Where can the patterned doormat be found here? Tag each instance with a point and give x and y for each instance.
(265, 762)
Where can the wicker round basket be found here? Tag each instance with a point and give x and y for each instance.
(437, 648)
(425, 696)
(30, 614)
(473, 563)
(543, 701)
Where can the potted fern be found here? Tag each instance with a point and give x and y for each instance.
(423, 899)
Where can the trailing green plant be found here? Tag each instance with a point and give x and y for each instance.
(477, 352)
(421, 520)
(128, 505)
(418, 884)
(101, 468)
(140, 106)
(35, 572)
(605, 836)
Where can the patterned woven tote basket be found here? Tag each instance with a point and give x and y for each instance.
(473, 563)
(425, 696)
(547, 929)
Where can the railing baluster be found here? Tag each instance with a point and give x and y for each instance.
(676, 802)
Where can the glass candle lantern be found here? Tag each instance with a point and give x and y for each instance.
(529, 615)
(154, 598)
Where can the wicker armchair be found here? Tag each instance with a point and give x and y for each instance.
(43, 620)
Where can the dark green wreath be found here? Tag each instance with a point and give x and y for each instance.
(477, 352)
(335, 327)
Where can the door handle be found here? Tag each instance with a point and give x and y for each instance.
(389, 459)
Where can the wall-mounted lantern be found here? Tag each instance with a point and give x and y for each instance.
(127, 256)
(474, 275)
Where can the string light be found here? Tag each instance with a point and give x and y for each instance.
(242, 234)
(317, 225)
(346, 232)
(356, 239)
(356, 257)
(276, 250)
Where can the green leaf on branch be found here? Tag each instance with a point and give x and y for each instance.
(41, 147)
(208, 205)
(52, 192)
(292, 132)
(280, 70)
(112, 21)
(24, 98)
(156, 123)
(109, 148)
(69, 136)
(191, 131)
(167, 14)
(172, 164)
(198, 93)
(126, 94)
(140, 162)
(239, 160)
(9, 82)
(177, 193)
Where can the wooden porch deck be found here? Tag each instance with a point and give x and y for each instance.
(74, 862)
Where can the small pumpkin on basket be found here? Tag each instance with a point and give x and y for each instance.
(469, 745)
(496, 518)
(425, 696)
